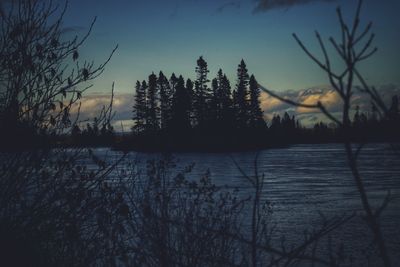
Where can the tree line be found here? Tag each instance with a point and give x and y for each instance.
(175, 105)
(204, 114)
(178, 126)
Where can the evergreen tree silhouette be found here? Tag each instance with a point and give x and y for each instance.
(288, 124)
(190, 90)
(256, 114)
(172, 81)
(180, 121)
(152, 107)
(214, 105)
(242, 96)
(226, 101)
(202, 93)
(140, 107)
(165, 100)
(224, 110)
(276, 123)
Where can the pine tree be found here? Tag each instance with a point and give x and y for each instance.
(190, 88)
(242, 95)
(181, 107)
(165, 107)
(173, 81)
(223, 105)
(218, 95)
(202, 92)
(288, 123)
(276, 122)
(256, 114)
(140, 108)
(227, 103)
(214, 104)
(152, 107)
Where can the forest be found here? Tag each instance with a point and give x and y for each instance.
(174, 114)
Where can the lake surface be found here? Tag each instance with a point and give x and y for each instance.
(304, 181)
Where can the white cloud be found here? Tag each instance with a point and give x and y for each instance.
(326, 95)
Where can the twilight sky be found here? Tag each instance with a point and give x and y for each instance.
(170, 35)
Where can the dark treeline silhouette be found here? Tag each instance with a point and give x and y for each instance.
(366, 126)
(91, 134)
(183, 114)
(179, 114)
(372, 126)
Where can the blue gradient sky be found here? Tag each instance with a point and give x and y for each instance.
(156, 35)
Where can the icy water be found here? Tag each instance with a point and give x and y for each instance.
(304, 181)
(304, 184)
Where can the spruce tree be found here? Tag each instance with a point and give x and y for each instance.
(152, 107)
(223, 100)
(218, 95)
(286, 122)
(227, 103)
(181, 107)
(173, 81)
(140, 108)
(242, 96)
(202, 92)
(165, 100)
(256, 114)
(190, 90)
(276, 123)
(214, 104)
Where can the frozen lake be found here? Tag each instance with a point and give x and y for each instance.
(304, 181)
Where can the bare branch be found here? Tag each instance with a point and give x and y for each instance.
(318, 62)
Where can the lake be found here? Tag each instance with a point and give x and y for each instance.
(304, 181)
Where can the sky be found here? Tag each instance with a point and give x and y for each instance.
(170, 35)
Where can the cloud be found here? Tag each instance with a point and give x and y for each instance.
(327, 96)
(91, 105)
(266, 5)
